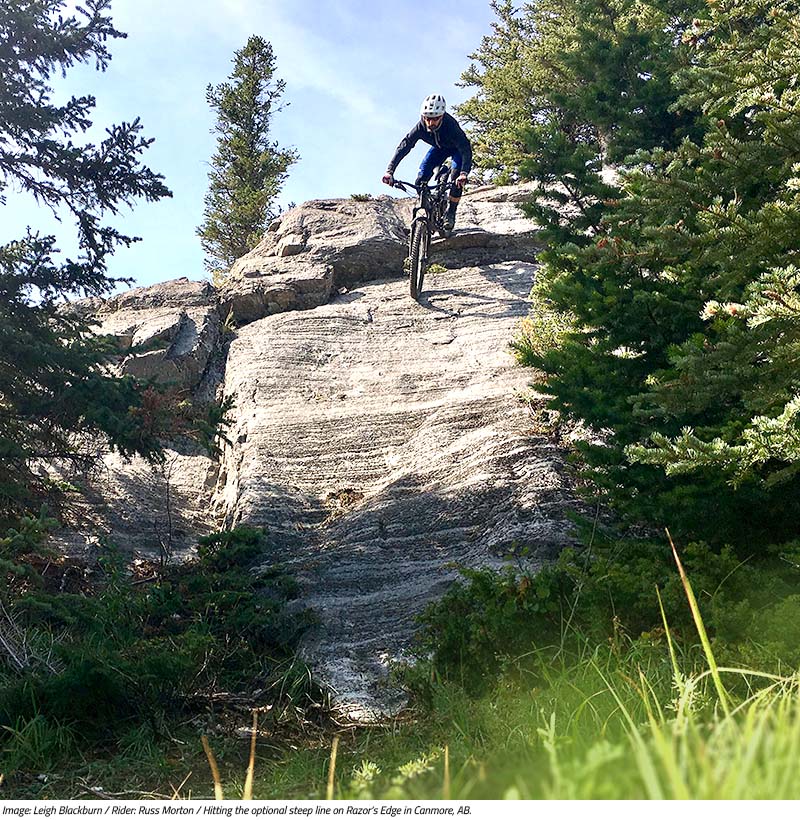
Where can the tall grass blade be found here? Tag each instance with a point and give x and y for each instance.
(663, 741)
(793, 744)
(247, 793)
(332, 767)
(701, 630)
(676, 672)
(446, 784)
(212, 762)
(642, 756)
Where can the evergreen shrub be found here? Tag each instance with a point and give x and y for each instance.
(131, 651)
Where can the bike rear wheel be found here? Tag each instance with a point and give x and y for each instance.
(420, 237)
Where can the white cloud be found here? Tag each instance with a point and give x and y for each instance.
(306, 59)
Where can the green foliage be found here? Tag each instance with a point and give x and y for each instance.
(765, 445)
(543, 330)
(28, 537)
(615, 723)
(505, 100)
(676, 276)
(248, 168)
(51, 378)
(494, 621)
(36, 744)
(565, 85)
(131, 652)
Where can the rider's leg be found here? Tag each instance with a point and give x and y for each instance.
(436, 156)
(455, 193)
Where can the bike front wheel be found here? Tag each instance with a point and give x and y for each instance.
(420, 237)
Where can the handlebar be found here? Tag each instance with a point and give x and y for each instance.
(398, 183)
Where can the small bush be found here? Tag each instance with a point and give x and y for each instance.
(129, 652)
(494, 621)
(544, 329)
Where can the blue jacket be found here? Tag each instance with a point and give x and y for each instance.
(448, 135)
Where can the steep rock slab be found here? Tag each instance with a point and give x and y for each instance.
(151, 510)
(378, 440)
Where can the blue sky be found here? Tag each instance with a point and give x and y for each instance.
(355, 70)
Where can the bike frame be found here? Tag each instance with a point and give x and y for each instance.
(428, 215)
(429, 197)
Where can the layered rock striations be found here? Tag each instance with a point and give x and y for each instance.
(376, 439)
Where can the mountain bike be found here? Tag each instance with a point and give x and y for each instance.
(427, 217)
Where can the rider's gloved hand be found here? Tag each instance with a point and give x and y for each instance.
(388, 178)
(462, 180)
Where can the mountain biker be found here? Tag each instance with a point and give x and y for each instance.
(444, 134)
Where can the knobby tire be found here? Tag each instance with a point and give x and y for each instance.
(419, 253)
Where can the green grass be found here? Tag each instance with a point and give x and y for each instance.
(615, 723)
(649, 718)
(608, 727)
(577, 705)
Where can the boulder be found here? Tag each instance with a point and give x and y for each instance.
(168, 333)
(313, 250)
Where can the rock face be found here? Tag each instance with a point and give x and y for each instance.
(169, 331)
(313, 251)
(168, 334)
(404, 447)
(376, 439)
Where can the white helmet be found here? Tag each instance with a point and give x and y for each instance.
(433, 106)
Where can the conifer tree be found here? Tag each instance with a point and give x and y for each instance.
(749, 237)
(248, 168)
(497, 116)
(564, 87)
(685, 297)
(52, 381)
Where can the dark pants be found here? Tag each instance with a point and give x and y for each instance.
(434, 158)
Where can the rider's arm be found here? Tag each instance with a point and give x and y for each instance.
(406, 144)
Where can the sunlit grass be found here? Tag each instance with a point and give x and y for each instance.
(606, 730)
(653, 717)
(641, 719)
